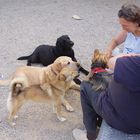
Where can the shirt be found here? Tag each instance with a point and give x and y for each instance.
(132, 44)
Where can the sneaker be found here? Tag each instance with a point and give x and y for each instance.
(79, 134)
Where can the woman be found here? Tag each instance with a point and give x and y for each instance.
(119, 105)
(129, 19)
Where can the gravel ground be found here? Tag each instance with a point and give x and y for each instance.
(25, 24)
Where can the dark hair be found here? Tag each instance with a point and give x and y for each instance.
(130, 13)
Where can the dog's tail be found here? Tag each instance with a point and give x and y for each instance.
(23, 57)
(17, 85)
(16, 89)
(4, 82)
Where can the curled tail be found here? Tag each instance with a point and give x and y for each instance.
(23, 57)
(16, 89)
(17, 85)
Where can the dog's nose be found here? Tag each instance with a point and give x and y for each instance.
(72, 43)
(78, 65)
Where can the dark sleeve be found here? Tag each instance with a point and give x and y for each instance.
(127, 72)
(119, 69)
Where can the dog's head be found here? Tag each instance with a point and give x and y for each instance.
(98, 76)
(68, 74)
(66, 61)
(64, 42)
(99, 59)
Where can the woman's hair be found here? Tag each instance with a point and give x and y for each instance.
(130, 13)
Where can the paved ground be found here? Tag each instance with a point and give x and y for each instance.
(25, 24)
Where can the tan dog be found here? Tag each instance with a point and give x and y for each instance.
(50, 91)
(28, 75)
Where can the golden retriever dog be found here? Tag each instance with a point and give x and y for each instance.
(29, 75)
(53, 92)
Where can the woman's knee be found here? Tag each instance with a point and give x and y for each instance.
(84, 87)
(107, 132)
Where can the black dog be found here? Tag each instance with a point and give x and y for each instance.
(46, 54)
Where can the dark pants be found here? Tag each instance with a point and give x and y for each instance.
(88, 101)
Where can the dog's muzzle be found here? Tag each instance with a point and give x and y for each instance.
(77, 75)
(78, 66)
(71, 43)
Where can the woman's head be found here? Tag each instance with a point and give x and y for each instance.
(129, 17)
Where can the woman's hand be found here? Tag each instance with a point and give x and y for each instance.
(112, 60)
(108, 54)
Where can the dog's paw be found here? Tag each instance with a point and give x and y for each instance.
(12, 124)
(69, 108)
(15, 117)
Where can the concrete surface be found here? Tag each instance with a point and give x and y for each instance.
(25, 24)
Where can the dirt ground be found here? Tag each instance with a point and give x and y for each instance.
(25, 24)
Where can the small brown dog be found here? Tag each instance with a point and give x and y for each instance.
(53, 92)
(99, 77)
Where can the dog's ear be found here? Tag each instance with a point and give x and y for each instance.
(65, 63)
(60, 42)
(96, 53)
(57, 67)
(62, 77)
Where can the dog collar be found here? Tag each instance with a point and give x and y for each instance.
(97, 70)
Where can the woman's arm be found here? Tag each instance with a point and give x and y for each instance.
(112, 60)
(119, 39)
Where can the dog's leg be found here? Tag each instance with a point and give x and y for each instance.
(10, 106)
(66, 104)
(16, 117)
(57, 107)
(14, 107)
(54, 107)
(47, 88)
(75, 86)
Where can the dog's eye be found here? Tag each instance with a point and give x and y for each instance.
(68, 63)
